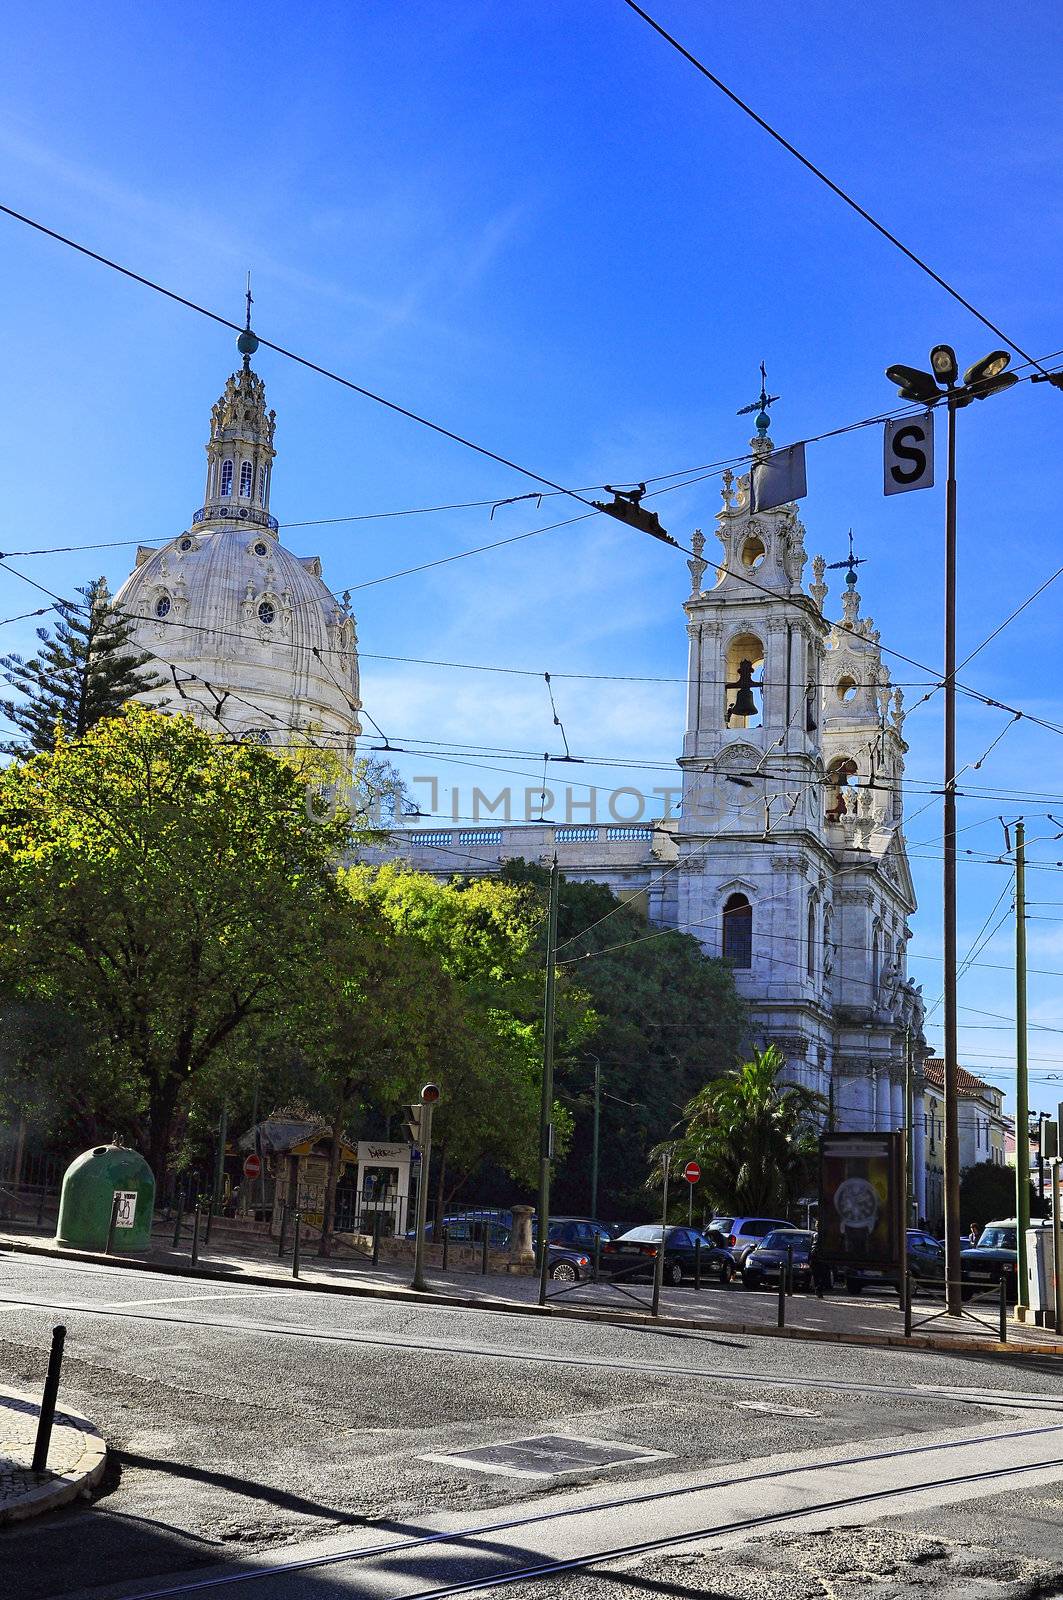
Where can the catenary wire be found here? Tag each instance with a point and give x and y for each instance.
(835, 188)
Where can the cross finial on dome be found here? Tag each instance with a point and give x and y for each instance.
(247, 343)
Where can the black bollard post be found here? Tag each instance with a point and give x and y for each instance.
(782, 1298)
(210, 1216)
(295, 1246)
(1003, 1308)
(284, 1228)
(111, 1225)
(51, 1390)
(597, 1257)
(195, 1233)
(697, 1265)
(789, 1269)
(446, 1246)
(376, 1238)
(483, 1252)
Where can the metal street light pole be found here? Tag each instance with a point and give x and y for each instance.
(984, 378)
(953, 1265)
(594, 1145)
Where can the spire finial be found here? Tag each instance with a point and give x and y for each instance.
(761, 405)
(851, 562)
(247, 343)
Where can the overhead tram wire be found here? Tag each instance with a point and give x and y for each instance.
(817, 172)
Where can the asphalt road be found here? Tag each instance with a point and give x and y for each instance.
(249, 1425)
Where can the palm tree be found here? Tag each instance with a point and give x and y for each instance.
(754, 1137)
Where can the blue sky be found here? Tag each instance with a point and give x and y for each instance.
(536, 224)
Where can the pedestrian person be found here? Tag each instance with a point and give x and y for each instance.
(973, 1233)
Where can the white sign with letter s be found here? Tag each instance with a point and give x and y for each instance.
(908, 454)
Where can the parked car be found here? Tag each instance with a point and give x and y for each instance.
(747, 1232)
(996, 1253)
(568, 1265)
(926, 1264)
(580, 1232)
(767, 1260)
(634, 1255)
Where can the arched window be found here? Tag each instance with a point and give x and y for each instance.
(226, 485)
(247, 474)
(744, 682)
(810, 952)
(738, 931)
(840, 800)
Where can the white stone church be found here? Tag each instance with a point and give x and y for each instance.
(787, 856)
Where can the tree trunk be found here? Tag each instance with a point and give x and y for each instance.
(329, 1218)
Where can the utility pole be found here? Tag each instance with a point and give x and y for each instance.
(1022, 1091)
(546, 1109)
(594, 1146)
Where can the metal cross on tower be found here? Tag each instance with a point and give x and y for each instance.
(761, 405)
(851, 562)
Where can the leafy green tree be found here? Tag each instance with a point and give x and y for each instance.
(165, 888)
(483, 1043)
(665, 1017)
(756, 1138)
(987, 1191)
(85, 671)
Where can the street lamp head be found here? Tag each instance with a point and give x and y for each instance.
(430, 1094)
(943, 363)
(914, 384)
(990, 366)
(988, 386)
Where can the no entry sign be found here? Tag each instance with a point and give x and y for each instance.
(252, 1166)
(692, 1172)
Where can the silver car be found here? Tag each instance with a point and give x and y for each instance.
(747, 1232)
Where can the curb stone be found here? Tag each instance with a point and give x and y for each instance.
(435, 1297)
(24, 1493)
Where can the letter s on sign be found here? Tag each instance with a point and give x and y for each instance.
(908, 455)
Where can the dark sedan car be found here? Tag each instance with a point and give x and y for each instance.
(634, 1255)
(926, 1265)
(767, 1260)
(995, 1255)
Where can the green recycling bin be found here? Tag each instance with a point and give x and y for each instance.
(89, 1189)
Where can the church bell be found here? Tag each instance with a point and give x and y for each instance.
(744, 703)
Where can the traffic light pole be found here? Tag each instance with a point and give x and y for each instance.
(422, 1194)
(1022, 1091)
(953, 1287)
(546, 1109)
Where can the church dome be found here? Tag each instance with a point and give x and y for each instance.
(247, 636)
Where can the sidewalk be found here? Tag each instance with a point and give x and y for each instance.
(835, 1319)
(76, 1457)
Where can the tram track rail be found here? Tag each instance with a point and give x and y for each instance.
(990, 1399)
(505, 1576)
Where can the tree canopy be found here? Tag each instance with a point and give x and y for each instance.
(755, 1138)
(84, 672)
(164, 887)
(664, 1018)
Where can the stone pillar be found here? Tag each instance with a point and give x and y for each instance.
(897, 1097)
(919, 1153)
(521, 1254)
(882, 1100)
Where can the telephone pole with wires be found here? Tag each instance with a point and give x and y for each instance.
(1022, 1090)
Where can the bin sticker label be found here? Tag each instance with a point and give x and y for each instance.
(127, 1207)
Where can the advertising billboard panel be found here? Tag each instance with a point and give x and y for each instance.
(861, 1199)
